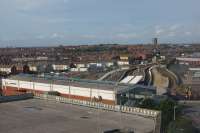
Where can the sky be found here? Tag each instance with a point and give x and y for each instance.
(72, 22)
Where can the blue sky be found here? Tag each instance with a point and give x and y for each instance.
(53, 22)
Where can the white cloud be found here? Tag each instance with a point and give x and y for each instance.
(58, 20)
(56, 35)
(40, 37)
(175, 27)
(171, 30)
(30, 4)
(188, 33)
(159, 31)
(171, 34)
(126, 35)
(89, 36)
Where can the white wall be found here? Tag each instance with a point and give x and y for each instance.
(61, 88)
(11, 83)
(60, 67)
(109, 95)
(83, 69)
(79, 91)
(122, 63)
(109, 64)
(5, 69)
(33, 68)
(80, 65)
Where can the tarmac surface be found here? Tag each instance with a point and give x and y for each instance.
(39, 116)
(193, 112)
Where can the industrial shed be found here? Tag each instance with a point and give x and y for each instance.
(102, 91)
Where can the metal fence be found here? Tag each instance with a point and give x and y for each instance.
(99, 105)
(153, 114)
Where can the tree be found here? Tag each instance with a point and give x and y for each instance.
(14, 70)
(167, 108)
(148, 103)
(26, 69)
(49, 68)
(72, 65)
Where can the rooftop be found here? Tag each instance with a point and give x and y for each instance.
(38, 116)
(63, 80)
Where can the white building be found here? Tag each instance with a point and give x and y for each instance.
(60, 67)
(71, 88)
(109, 64)
(95, 64)
(122, 63)
(80, 65)
(124, 57)
(5, 69)
(82, 69)
(33, 68)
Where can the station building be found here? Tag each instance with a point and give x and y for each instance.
(82, 89)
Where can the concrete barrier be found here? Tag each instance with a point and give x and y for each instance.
(16, 97)
(155, 115)
(125, 109)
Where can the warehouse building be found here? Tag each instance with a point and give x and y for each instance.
(101, 91)
(188, 60)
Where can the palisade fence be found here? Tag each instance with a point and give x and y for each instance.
(153, 114)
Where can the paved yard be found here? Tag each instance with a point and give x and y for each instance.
(38, 116)
(193, 112)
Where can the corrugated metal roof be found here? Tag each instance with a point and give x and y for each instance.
(60, 80)
(188, 59)
(95, 84)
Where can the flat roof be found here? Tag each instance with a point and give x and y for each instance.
(39, 116)
(61, 80)
(194, 69)
(96, 84)
(188, 59)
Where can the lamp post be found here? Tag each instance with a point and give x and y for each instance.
(120, 102)
(121, 96)
(175, 112)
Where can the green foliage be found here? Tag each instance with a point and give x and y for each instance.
(148, 103)
(181, 125)
(14, 70)
(26, 69)
(167, 108)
